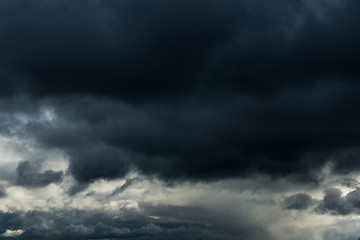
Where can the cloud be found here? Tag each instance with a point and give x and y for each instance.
(12, 233)
(75, 224)
(115, 45)
(300, 201)
(185, 93)
(211, 140)
(29, 175)
(333, 203)
(336, 204)
(238, 46)
(2, 191)
(214, 90)
(122, 188)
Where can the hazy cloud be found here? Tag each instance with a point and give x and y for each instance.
(2, 191)
(300, 201)
(29, 175)
(184, 92)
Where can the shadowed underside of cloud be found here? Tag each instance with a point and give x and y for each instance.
(2, 191)
(187, 90)
(300, 201)
(333, 203)
(28, 175)
(237, 136)
(181, 92)
(336, 204)
(175, 222)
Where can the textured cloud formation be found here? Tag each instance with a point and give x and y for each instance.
(12, 233)
(180, 92)
(2, 191)
(28, 175)
(115, 47)
(300, 201)
(335, 203)
(145, 210)
(201, 90)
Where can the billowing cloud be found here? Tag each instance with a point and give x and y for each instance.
(252, 82)
(300, 201)
(28, 175)
(335, 203)
(12, 233)
(109, 103)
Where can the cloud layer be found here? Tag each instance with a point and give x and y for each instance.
(178, 92)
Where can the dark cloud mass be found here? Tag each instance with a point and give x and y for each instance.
(29, 176)
(189, 90)
(270, 83)
(300, 201)
(181, 92)
(334, 203)
(186, 223)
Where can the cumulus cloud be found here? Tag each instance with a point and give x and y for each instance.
(12, 233)
(335, 203)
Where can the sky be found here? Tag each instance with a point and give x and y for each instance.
(180, 120)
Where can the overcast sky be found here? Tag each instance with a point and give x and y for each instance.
(180, 119)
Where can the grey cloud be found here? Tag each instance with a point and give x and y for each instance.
(182, 91)
(77, 188)
(341, 230)
(333, 202)
(122, 188)
(300, 201)
(2, 191)
(215, 90)
(207, 140)
(243, 46)
(219, 224)
(99, 161)
(336, 204)
(30, 176)
(173, 222)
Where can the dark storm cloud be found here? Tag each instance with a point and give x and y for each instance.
(182, 91)
(98, 162)
(29, 175)
(112, 47)
(189, 90)
(336, 204)
(137, 50)
(230, 136)
(333, 202)
(171, 222)
(300, 201)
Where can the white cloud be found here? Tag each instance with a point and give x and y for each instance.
(12, 233)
